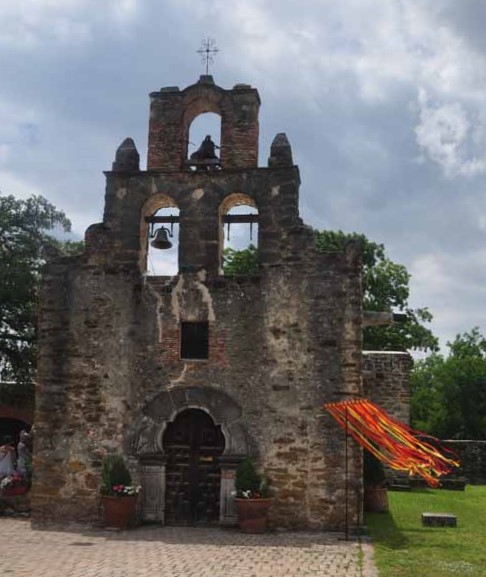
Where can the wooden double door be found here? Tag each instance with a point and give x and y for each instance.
(193, 445)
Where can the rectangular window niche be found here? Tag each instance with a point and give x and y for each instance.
(194, 341)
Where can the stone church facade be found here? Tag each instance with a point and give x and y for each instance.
(186, 375)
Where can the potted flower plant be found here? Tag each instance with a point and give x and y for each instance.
(375, 487)
(119, 496)
(13, 485)
(252, 498)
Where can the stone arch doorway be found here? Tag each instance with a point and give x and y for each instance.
(193, 446)
(149, 445)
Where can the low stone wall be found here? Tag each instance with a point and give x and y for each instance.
(473, 460)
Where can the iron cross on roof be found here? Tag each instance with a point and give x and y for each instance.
(208, 50)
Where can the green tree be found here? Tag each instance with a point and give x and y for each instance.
(24, 235)
(426, 407)
(386, 288)
(69, 247)
(241, 262)
(449, 394)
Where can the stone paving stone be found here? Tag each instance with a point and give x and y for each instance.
(173, 552)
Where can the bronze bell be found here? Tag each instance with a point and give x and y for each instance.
(161, 239)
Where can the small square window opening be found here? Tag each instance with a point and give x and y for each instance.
(194, 341)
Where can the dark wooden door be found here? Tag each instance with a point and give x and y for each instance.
(193, 445)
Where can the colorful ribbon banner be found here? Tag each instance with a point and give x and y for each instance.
(392, 442)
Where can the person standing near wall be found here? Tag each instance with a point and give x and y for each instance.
(24, 455)
(7, 457)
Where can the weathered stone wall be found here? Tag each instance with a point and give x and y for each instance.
(386, 381)
(281, 345)
(83, 392)
(472, 455)
(277, 362)
(122, 237)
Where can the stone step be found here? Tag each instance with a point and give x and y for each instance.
(439, 520)
(399, 487)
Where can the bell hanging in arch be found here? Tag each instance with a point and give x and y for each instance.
(161, 239)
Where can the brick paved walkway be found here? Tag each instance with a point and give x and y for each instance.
(174, 552)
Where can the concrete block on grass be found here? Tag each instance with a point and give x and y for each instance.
(439, 520)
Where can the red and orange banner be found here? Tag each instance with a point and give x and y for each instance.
(393, 442)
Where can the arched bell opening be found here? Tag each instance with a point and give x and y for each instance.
(160, 237)
(238, 235)
(193, 445)
(202, 117)
(204, 142)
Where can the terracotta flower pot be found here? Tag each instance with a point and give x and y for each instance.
(119, 512)
(252, 514)
(375, 498)
(14, 491)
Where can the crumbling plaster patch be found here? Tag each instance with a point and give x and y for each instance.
(159, 308)
(181, 307)
(198, 193)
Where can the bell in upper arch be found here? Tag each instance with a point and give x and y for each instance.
(161, 239)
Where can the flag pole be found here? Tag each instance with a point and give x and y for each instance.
(346, 477)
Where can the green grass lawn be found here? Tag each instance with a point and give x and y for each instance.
(403, 548)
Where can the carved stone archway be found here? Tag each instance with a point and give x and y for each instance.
(148, 444)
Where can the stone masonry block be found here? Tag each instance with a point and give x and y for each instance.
(439, 520)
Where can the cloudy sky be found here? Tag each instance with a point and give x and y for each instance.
(384, 103)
